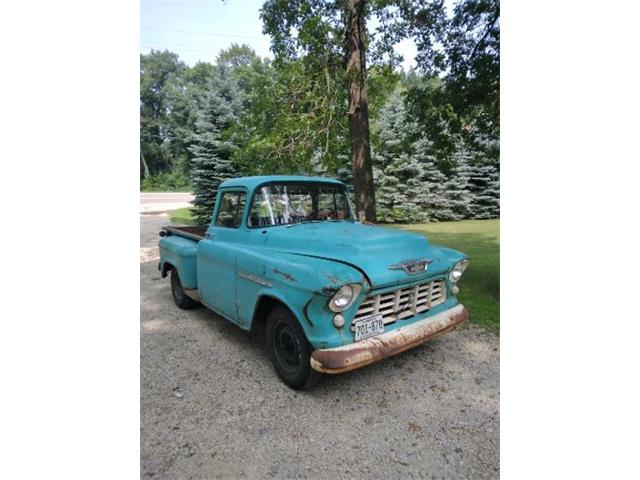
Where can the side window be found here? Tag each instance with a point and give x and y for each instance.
(231, 208)
(331, 206)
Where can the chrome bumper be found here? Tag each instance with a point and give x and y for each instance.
(356, 355)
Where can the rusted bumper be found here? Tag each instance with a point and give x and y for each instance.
(356, 355)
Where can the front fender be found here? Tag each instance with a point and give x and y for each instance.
(303, 284)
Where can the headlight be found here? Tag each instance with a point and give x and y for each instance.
(458, 270)
(344, 297)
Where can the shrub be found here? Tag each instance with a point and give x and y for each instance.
(166, 182)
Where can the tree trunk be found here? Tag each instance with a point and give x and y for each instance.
(359, 111)
(146, 167)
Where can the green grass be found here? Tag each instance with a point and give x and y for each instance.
(479, 239)
(182, 216)
(480, 284)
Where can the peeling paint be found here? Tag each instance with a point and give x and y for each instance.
(286, 275)
(329, 291)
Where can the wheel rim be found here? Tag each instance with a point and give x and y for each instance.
(287, 348)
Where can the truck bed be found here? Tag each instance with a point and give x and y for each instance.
(194, 233)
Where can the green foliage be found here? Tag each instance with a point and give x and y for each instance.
(472, 45)
(293, 124)
(158, 72)
(211, 163)
(398, 173)
(411, 185)
(436, 201)
(172, 94)
(484, 186)
(400, 192)
(311, 29)
(434, 130)
(166, 182)
(457, 188)
(465, 50)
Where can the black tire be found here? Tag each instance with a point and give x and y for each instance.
(182, 300)
(289, 350)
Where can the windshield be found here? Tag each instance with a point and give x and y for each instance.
(293, 203)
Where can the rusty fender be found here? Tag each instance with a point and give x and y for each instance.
(356, 355)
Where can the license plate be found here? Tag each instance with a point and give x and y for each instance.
(369, 327)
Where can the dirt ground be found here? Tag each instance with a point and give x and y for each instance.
(212, 406)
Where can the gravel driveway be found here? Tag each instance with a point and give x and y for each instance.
(212, 406)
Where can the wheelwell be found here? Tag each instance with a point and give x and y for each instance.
(166, 268)
(265, 305)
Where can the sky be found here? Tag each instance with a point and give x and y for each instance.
(198, 29)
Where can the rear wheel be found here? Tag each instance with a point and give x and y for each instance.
(181, 299)
(289, 350)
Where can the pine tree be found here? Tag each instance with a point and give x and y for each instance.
(400, 192)
(212, 162)
(345, 175)
(436, 203)
(484, 184)
(456, 187)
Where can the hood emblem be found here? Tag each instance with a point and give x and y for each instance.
(412, 267)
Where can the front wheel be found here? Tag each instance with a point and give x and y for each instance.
(181, 299)
(289, 350)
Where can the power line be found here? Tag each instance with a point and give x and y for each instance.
(177, 4)
(169, 44)
(182, 50)
(201, 33)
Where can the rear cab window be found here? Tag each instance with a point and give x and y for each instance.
(231, 209)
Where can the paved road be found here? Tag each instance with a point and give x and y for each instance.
(164, 197)
(213, 407)
(156, 202)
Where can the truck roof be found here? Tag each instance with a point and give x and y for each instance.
(253, 182)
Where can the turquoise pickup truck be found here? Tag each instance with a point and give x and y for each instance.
(333, 294)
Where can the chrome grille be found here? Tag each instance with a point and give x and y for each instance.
(402, 303)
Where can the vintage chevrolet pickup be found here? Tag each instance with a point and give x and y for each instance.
(333, 294)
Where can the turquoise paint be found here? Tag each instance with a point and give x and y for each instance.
(251, 183)
(180, 253)
(301, 265)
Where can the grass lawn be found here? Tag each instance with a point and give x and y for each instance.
(479, 239)
(182, 216)
(480, 284)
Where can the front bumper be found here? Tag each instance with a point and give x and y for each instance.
(356, 355)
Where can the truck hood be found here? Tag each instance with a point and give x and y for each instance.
(370, 249)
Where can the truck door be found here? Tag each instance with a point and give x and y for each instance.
(218, 253)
